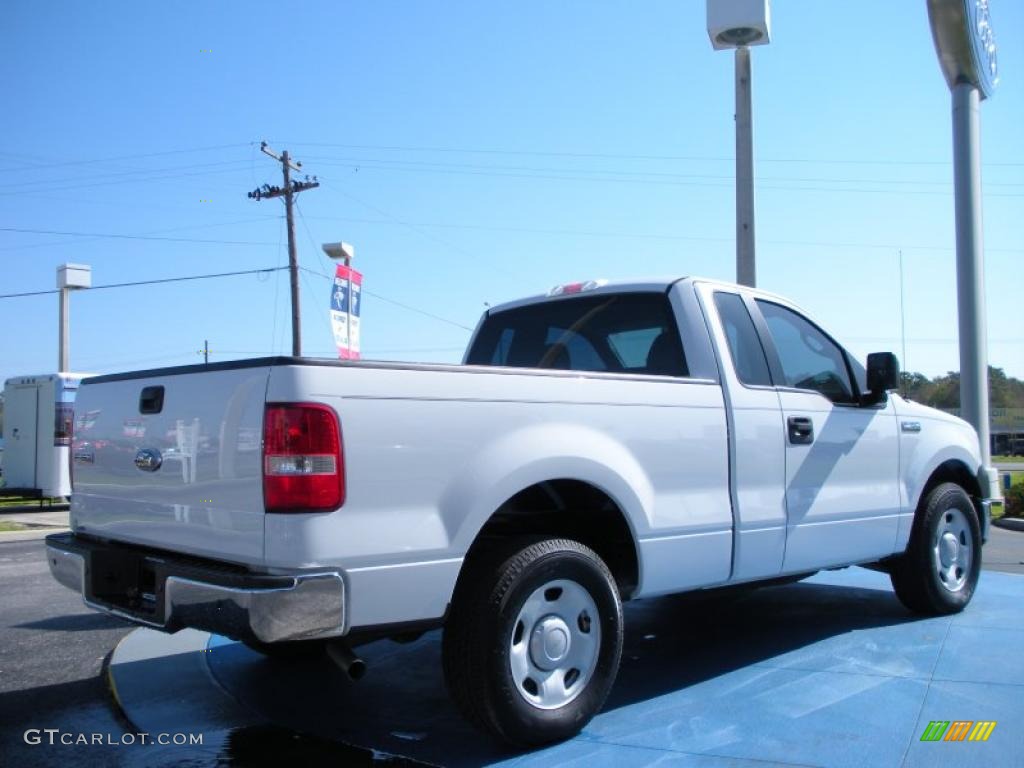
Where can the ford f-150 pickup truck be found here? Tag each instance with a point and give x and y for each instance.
(603, 442)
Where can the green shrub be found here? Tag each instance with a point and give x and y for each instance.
(1015, 500)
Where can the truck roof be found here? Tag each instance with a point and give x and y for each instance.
(589, 287)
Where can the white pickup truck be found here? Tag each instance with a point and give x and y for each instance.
(601, 443)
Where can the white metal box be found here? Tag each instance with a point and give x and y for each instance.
(732, 23)
(74, 276)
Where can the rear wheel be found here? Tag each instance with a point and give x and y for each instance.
(939, 571)
(532, 644)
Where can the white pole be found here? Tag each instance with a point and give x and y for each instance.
(970, 264)
(64, 352)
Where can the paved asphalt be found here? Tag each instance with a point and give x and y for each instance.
(52, 651)
(52, 655)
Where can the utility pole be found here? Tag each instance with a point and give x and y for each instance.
(205, 352)
(288, 192)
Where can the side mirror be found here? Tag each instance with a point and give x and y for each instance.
(883, 374)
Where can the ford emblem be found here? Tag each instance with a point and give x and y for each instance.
(148, 459)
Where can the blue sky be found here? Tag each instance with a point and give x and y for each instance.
(478, 152)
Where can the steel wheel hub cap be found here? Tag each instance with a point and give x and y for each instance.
(949, 547)
(952, 554)
(555, 643)
(550, 642)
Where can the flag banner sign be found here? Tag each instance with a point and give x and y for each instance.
(346, 302)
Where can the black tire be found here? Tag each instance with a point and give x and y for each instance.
(288, 649)
(944, 515)
(484, 624)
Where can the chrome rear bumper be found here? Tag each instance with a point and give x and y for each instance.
(191, 593)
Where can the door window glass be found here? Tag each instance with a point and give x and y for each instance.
(744, 346)
(809, 358)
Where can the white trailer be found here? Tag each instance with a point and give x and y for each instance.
(38, 422)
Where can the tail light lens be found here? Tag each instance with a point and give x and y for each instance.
(303, 469)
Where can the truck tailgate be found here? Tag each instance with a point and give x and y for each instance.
(172, 460)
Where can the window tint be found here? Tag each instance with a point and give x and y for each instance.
(744, 346)
(810, 360)
(619, 333)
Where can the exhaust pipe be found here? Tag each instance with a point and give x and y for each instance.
(353, 666)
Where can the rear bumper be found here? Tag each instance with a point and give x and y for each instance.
(160, 590)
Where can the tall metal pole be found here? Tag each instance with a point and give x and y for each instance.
(903, 331)
(64, 353)
(745, 270)
(970, 263)
(293, 260)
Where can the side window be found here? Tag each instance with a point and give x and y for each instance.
(810, 360)
(744, 346)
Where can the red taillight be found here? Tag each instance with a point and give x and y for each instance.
(302, 459)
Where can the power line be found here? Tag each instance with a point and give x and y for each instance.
(120, 174)
(150, 282)
(651, 235)
(396, 303)
(385, 163)
(412, 228)
(612, 179)
(64, 164)
(621, 156)
(124, 181)
(130, 237)
(370, 293)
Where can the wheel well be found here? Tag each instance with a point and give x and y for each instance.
(571, 509)
(952, 471)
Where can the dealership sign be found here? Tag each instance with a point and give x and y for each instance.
(965, 42)
(346, 302)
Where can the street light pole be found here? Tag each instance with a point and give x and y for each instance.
(746, 273)
(739, 24)
(69, 277)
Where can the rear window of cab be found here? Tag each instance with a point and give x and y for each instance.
(614, 333)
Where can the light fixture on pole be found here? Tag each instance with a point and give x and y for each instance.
(345, 300)
(738, 24)
(70, 277)
(966, 47)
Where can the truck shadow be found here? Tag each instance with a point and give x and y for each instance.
(672, 644)
(683, 640)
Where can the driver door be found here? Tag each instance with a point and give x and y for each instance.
(842, 461)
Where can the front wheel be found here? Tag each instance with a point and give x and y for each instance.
(532, 644)
(939, 571)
